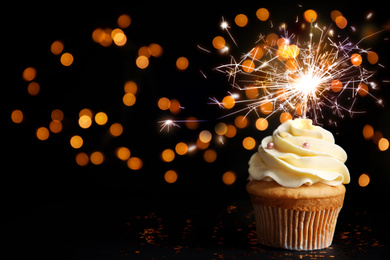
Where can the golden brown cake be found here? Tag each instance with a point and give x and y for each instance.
(296, 186)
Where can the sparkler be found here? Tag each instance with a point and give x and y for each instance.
(298, 77)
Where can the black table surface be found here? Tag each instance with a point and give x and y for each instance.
(173, 228)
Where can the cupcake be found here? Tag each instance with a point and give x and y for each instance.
(296, 186)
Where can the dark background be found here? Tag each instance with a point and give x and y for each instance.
(41, 179)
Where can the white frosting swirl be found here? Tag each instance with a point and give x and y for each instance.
(291, 164)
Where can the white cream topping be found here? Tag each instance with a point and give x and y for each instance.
(301, 153)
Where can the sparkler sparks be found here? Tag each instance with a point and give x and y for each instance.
(296, 76)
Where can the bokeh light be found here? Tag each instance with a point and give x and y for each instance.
(368, 132)
(364, 180)
(96, 158)
(42, 133)
(76, 141)
(383, 144)
(229, 177)
(170, 176)
(182, 63)
(116, 129)
(66, 59)
(124, 21)
(29, 74)
(17, 116)
(134, 163)
(210, 156)
(241, 20)
(262, 14)
(123, 153)
(249, 143)
(85, 121)
(168, 155)
(57, 47)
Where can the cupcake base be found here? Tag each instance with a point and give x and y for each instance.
(294, 229)
(301, 218)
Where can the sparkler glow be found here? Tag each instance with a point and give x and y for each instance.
(297, 77)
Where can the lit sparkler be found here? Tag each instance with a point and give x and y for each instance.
(297, 77)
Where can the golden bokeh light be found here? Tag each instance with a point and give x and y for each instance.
(249, 143)
(341, 22)
(33, 88)
(131, 87)
(57, 47)
(229, 178)
(17, 116)
(372, 57)
(129, 99)
(170, 176)
(272, 39)
(266, 107)
(182, 63)
(362, 89)
(175, 107)
(119, 37)
(101, 118)
(134, 163)
(210, 156)
(55, 126)
(116, 129)
(168, 155)
(82, 159)
(241, 121)
(123, 153)
(231, 131)
(261, 124)
(164, 103)
(241, 20)
(42, 133)
(356, 59)
(220, 128)
(248, 66)
(97, 158)
(383, 144)
(29, 74)
(336, 85)
(66, 59)
(364, 180)
(228, 102)
(205, 136)
(155, 50)
(262, 14)
(85, 121)
(218, 42)
(252, 92)
(124, 21)
(368, 131)
(284, 117)
(76, 141)
(181, 148)
(310, 16)
(142, 62)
